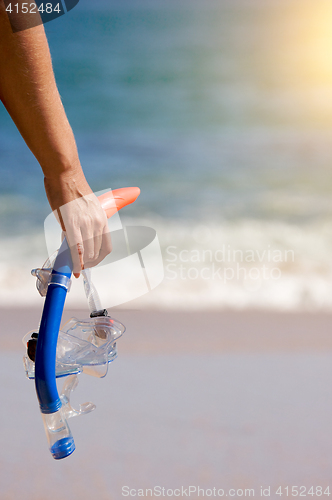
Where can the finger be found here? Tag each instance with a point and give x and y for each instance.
(95, 245)
(98, 240)
(80, 251)
(76, 257)
(89, 247)
(106, 247)
(77, 253)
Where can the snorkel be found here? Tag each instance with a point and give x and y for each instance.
(84, 346)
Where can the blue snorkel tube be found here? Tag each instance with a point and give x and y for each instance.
(56, 410)
(60, 439)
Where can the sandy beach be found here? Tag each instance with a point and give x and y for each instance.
(220, 112)
(229, 400)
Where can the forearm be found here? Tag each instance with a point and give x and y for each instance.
(29, 93)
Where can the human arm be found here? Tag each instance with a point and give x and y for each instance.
(28, 91)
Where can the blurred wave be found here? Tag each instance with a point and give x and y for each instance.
(234, 264)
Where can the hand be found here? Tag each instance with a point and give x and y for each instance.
(82, 219)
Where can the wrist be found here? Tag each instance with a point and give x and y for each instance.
(66, 186)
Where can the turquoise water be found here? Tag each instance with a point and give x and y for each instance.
(181, 97)
(220, 111)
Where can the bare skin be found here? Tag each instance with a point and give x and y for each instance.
(28, 91)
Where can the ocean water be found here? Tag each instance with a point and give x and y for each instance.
(221, 112)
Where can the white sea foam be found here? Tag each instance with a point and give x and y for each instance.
(243, 264)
